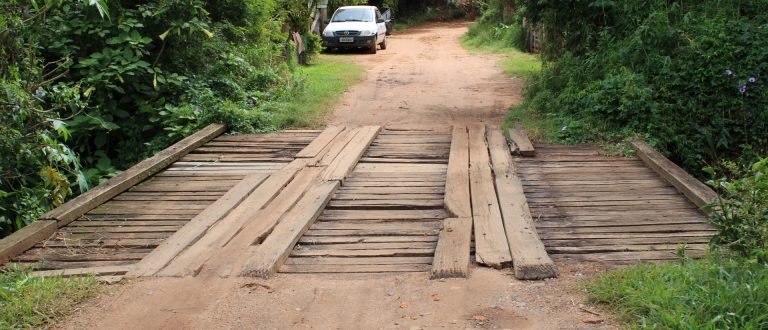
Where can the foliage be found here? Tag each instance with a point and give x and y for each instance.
(717, 293)
(741, 210)
(688, 75)
(27, 301)
(86, 91)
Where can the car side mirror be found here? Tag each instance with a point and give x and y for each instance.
(381, 20)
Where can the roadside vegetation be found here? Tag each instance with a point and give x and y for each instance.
(686, 76)
(31, 302)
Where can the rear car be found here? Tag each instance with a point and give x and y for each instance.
(356, 27)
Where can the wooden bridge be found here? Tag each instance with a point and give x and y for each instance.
(370, 200)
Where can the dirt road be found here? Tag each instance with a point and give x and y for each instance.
(425, 78)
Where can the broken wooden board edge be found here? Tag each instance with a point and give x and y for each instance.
(523, 145)
(25, 238)
(452, 253)
(529, 255)
(457, 194)
(264, 263)
(197, 227)
(87, 201)
(696, 191)
(96, 271)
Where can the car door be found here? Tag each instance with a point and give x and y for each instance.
(381, 28)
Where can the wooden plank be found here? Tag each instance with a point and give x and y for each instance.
(383, 214)
(25, 238)
(319, 143)
(491, 247)
(97, 271)
(358, 261)
(313, 240)
(190, 260)
(523, 145)
(369, 246)
(342, 165)
(78, 206)
(696, 191)
(364, 253)
(457, 200)
(196, 228)
(271, 254)
(398, 168)
(529, 257)
(396, 268)
(452, 252)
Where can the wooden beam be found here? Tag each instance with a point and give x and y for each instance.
(196, 228)
(190, 260)
(491, 247)
(271, 254)
(25, 238)
(97, 271)
(452, 251)
(319, 143)
(529, 257)
(457, 200)
(523, 145)
(696, 191)
(342, 165)
(78, 206)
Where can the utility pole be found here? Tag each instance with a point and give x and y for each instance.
(322, 6)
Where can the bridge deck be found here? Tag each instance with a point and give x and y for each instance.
(374, 205)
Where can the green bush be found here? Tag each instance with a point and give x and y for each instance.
(717, 293)
(741, 211)
(689, 76)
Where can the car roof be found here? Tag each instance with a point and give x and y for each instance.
(357, 7)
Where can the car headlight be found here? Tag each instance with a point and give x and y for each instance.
(328, 33)
(366, 33)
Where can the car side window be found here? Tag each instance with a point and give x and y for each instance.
(378, 15)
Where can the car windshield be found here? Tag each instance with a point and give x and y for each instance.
(353, 15)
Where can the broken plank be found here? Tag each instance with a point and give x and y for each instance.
(78, 206)
(457, 200)
(196, 227)
(529, 257)
(491, 247)
(452, 252)
(523, 145)
(271, 254)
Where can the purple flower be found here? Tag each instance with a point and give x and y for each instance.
(197, 110)
(752, 79)
(729, 72)
(250, 101)
(743, 88)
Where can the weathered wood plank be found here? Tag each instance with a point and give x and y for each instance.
(696, 191)
(529, 257)
(394, 268)
(319, 143)
(359, 261)
(491, 247)
(97, 271)
(342, 165)
(523, 145)
(78, 206)
(271, 254)
(452, 252)
(196, 228)
(190, 260)
(457, 200)
(25, 238)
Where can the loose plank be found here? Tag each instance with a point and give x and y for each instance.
(491, 247)
(529, 256)
(452, 252)
(271, 254)
(196, 228)
(523, 145)
(457, 200)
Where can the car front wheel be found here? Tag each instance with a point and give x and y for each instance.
(372, 48)
(383, 44)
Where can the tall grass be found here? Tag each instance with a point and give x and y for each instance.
(28, 302)
(715, 293)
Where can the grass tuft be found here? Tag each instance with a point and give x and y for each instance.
(324, 82)
(715, 293)
(27, 301)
